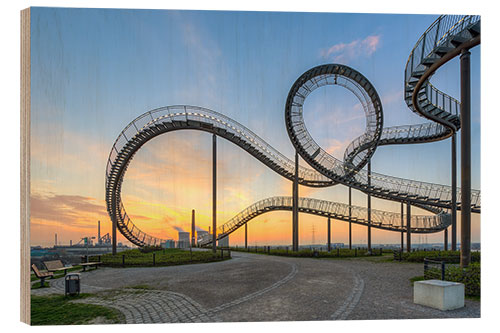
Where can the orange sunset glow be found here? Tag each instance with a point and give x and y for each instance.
(109, 73)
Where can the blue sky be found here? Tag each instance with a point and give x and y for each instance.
(96, 70)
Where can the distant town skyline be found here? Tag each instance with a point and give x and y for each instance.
(95, 70)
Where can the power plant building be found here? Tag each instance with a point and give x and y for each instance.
(201, 234)
(168, 244)
(224, 242)
(184, 240)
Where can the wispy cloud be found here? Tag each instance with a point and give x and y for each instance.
(344, 52)
(70, 216)
(336, 147)
(68, 210)
(394, 96)
(178, 228)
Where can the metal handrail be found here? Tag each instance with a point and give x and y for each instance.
(383, 182)
(438, 35)
(379, 218)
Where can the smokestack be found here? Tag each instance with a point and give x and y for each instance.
(98, 232)
(193, 242)
(56, 240)
(70, 242)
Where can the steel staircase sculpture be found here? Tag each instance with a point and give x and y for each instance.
(326, 170)
(443, 41)
(339, 211)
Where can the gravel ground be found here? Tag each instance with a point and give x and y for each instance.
(388, 293)
(252, 287)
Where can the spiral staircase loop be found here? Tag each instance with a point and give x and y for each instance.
(438, 44)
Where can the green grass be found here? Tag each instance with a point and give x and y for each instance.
(58, 310)
(165, 257)
(417, 278)
(334, 254)
(421, 278)
(470, 277)
(385, 257)
(37, 285)
(447, 256)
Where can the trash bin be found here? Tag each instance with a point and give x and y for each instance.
(72, 284)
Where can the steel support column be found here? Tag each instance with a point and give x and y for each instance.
(369, 204)
(214, 193)
(445, 239)
(408, 226)
(113, 235)
(453, 192)
(465, 150)
(329, 244)
(295, 206)
(246, 236)
(193, 230)
(350, 218)
(402, 226)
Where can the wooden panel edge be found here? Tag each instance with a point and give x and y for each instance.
(25, 165)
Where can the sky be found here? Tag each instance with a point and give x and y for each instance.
(95, 70)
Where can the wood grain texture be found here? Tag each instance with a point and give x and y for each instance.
(25, 164)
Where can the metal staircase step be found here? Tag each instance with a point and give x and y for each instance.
(418, 74)
(412, 81)
(429, 61)
(475, 29)
(429, 108)
(457, 40)
(442, 50)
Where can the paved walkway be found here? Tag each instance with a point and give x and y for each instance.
(254, 287)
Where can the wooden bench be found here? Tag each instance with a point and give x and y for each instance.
(56, 266)
(41, 275)
(89, 264)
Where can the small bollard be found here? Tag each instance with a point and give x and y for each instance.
(338, 252)
(154, 259)
(123, 260)
(355, 252)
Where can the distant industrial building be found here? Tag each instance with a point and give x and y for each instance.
(224, 242)
(168, 244)
(201, 234)
(184, 240)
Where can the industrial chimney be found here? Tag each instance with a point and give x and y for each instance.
(193, 242)
(99, 232)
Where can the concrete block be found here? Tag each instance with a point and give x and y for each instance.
(442, 295)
